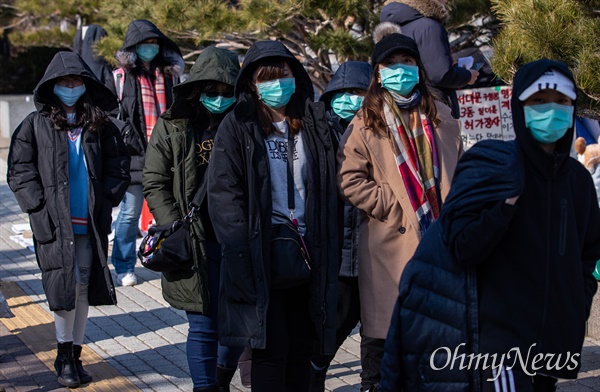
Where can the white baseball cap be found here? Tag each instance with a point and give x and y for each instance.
(551, 79)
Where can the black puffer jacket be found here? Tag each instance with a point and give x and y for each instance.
(38, 174)
(240, 204)
(350, 75)
(169, 60)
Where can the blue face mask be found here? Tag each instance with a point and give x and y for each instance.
(548, 122)
(345, 105)
(216, 104)
(147, 52)
(399, 78)
(67, 95)
(276, 93)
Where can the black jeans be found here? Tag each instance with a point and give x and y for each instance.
(348, 315)
(284, 363)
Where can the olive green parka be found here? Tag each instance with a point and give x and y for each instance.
(171, 176)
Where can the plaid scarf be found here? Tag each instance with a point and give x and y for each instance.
(417, 160)
(154, 99)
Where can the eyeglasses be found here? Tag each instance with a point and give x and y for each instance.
(213, 94)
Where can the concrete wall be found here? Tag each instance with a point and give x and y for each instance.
(13, 109)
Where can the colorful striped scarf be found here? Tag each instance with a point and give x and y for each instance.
(417, 160)
(154, 99)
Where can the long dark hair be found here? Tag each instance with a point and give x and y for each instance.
(269, 69)
(87, 114)
(374, 99)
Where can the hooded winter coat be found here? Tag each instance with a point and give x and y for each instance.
(84, 45)
(175, 164)
(350, 75)
(494, 277)
(170, 62)
(38, 174)
(423, 21)
(240, 204)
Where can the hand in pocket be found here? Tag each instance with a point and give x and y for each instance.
(42, 226)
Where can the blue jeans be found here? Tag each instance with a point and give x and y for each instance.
(126, 230)
(204, 352)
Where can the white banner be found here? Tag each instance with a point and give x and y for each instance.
(485, 114)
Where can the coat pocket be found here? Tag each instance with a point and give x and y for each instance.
(237, 276)
(42, 226)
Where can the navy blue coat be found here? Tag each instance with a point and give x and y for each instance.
(432, 40)
(350, 75)
(437, 304)
(530, 265)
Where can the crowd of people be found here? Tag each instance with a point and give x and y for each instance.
(358, 209)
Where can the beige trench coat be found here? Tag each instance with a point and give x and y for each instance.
(389, 235)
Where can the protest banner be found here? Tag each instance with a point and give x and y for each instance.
(485, 114)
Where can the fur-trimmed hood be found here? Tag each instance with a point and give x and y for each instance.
(140, 30)
(405, 11)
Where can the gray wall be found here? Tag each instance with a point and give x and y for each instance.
(13, 109)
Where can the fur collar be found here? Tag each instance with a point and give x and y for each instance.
(175, 64)
(433, 9)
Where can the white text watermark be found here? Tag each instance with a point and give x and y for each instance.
(512, 358)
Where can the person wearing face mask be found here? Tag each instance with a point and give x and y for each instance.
(68, 167)
(423, 21)
(150, 65)
(396, 162)
(252, 188)
(183, 139)
(343, 97)
(513, 254)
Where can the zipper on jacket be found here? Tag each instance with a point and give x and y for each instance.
(563, 227)
(547, 266)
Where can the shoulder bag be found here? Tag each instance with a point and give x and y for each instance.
(169, 247)
(290, 261)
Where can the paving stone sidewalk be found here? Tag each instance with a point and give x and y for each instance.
(143, 337)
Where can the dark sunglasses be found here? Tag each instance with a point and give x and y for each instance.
(213, 94)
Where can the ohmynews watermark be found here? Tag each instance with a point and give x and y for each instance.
(538, 362)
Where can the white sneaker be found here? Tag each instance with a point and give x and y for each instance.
(127, 279)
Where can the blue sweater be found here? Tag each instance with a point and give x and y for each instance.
(79, 183)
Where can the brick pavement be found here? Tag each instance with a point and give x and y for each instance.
(142, 338)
